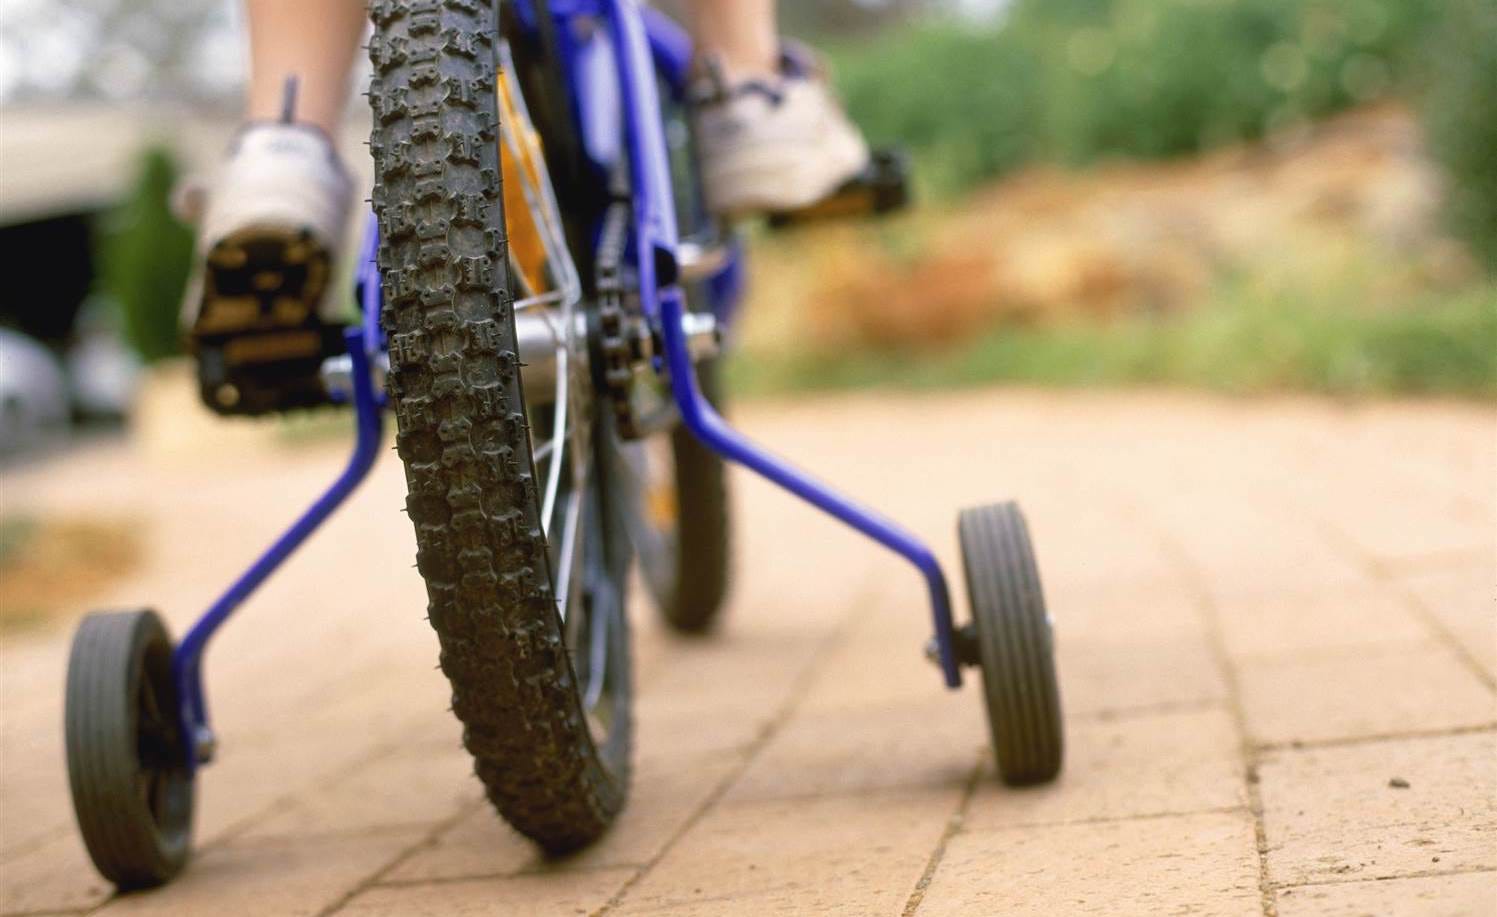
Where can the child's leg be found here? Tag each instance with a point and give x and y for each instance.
(313, 40)
(264, 314)
(742, 34)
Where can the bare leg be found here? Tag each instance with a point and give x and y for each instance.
(313, 40)
(742, 33)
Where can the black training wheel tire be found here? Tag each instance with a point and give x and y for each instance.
(127, 761)
(704, 527)
(1014, 643)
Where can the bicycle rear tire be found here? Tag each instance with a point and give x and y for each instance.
(703, 561)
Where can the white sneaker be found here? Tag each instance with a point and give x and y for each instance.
(260, 315)
(773, 146)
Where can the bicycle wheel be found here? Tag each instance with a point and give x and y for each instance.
(517, 532)
(1015, 643)
(681, 528)
(127, 759)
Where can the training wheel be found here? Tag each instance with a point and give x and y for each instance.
(127, 763)
(1012, 633)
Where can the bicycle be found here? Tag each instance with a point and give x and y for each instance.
(545, 298)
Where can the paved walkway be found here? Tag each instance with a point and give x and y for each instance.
(1277, 655)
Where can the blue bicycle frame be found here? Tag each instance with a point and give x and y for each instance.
(612, 73)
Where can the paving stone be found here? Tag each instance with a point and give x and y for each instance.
(35, 807)
(661, 802)
(754, 667)
(1146, 764)
(676, 727)
(1408, 522)
(1451, 449)
(878, 660)
(1091, 551)
(1162, 609)
(1239, 549)
(831, 855)
(409, 787)
(479, 845)
(1331, 813)
(1205, 864)
(1348, 694)
(575, 893)
(284, 878)
(1290, 624)
(933, 743)
(1111, 676)
(1464, 600)
(1463, 895)
(54, 876)
(256, 776)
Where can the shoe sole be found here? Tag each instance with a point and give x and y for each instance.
(258, 337)
(882, 187)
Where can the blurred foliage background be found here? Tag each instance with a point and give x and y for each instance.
(1247, 195)
(144, 255)
(1078, 81)
(1459, 98)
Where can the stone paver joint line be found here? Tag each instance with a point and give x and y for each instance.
(953, 827)
(1206, 607)
(1386, 576)
(373, 879)
(1413, 874)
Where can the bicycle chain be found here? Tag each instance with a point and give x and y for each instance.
(617, 351)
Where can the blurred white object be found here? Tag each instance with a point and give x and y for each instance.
(773, 146)
(33, 394)
(103, 374)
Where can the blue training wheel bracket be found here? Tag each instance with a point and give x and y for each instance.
(708, 426)
(655, 241)
(187, 657)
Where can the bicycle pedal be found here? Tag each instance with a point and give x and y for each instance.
(258, 338)
(882, 187)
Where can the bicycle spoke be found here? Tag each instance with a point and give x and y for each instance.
(568, 556)
(558, 441)
(532, 300)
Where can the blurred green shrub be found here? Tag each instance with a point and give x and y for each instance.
(1243, 340)
(144, 255)
(1078, 80)
(1460, 107)
(969, 101)
(1152, 78)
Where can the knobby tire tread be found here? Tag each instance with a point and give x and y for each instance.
(463, 432)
